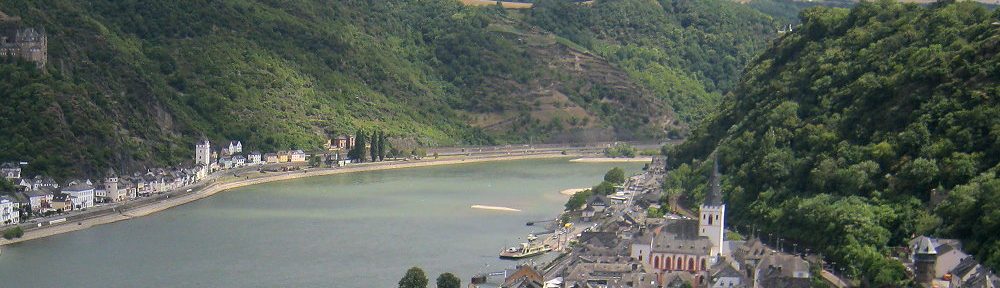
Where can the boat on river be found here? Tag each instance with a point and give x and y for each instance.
(525, 250)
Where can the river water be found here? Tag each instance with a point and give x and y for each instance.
(351, 230)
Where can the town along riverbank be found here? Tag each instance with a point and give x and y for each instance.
(349, 230)
(247, 179)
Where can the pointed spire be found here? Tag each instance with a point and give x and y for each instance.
(714, 197)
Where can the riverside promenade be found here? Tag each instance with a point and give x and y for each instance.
(226, 180)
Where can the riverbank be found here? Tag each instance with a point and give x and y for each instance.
(611, 160)
(572, 191)
(214, 188)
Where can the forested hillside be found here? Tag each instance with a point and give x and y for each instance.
(135, 83)
(688, 52)
(861, 129)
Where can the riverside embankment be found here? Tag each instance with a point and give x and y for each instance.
(147, 206)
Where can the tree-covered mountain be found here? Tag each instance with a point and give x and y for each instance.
(688, 52)
(861, 129)
(135, 83)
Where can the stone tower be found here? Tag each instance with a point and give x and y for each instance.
(924, 260)
(111, 185)
(713, 213)
(203, 153)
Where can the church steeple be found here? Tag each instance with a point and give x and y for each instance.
(714, 197)
(713, 214)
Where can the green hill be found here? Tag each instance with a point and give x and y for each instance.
(863, 128)
(135, 83)
(688, 52)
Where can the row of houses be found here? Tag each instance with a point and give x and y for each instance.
(229, 156)
(44, 195)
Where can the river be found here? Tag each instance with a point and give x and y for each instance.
(350, 230)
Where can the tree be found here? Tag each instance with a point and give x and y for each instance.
(314, 161)
(374, 148)
(615, 175)
(448, 280)
(577, 200)
(605, 188)
(381, 147)
(14, 232)
(414, 278)
(358, 151)
(6, 186)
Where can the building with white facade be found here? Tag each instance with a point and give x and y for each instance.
(81, 194)
(10, 170)
(9, 213)
(297, 156)
(38, 200)
(235, 147)
(255, 158)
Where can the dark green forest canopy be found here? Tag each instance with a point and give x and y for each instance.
(863, 128)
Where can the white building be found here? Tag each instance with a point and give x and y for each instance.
(82, 195)
(10, 170)
(235, 147)
(239, 161)
(203, 153)
(255, 158)
(225, 162)
(9, 213)
(40, 199)
(298, 156)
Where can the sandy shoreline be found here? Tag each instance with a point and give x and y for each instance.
(611, 160)
(498, 208)
(212, 189)
(571, 191)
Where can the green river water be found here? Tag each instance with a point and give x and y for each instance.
(352, 230)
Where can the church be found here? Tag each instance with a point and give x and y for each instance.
(688, 245)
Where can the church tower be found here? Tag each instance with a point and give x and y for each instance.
(712, 222)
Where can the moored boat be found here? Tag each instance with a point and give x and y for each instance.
(527, 249)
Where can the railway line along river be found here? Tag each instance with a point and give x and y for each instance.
(359, 229)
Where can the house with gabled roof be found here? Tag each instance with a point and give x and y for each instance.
(11, 171)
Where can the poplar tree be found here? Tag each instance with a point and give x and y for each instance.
(374, 149)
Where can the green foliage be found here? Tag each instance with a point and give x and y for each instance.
(359, 151)
(605, 188)
(448, 280)
(654, 213)
(13, 232)
(839, 133)
(687, 52)
(615, 175)
(7, 187)
(620, 150)
(414, 278)
(314, 161)
(577, 201)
